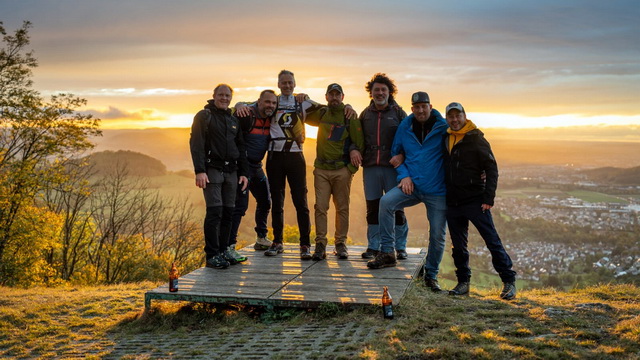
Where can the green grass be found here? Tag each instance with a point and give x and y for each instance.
(596, 197)
(47, 322)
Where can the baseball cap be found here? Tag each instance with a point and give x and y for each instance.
(419, 97)
(334, 86)
(455, 105)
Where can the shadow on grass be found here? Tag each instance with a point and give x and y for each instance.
(192, 316)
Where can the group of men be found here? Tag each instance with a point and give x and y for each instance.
(422, 158)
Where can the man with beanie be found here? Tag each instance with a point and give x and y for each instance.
(421, 180)
(220, 163)
(468, 155)
(338, 149)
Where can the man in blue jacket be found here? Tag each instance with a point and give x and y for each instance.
(421, 180)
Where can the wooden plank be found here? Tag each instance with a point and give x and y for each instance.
(285, 280)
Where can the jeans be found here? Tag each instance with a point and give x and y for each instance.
(377, 181)
(436, 206)
(458, 218)
(259, 188)
(283, 168)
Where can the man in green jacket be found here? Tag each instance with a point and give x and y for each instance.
(338, 150)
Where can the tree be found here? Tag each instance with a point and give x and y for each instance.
(69, 199)
(37, 138)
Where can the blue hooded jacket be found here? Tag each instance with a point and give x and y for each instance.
(423, 161)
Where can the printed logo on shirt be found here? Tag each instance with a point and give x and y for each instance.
(288, 120)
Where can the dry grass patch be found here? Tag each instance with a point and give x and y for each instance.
(597, 322)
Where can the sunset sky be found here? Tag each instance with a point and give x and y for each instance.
(154, 63)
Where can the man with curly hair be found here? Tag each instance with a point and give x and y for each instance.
(380, 121)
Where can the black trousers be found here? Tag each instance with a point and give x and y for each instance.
(458, 218)
(283, 167)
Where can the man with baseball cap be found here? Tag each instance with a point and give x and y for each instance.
(338, 150)
(421, 180)
(471, 199)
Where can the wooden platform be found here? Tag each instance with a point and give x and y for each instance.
(286, 281)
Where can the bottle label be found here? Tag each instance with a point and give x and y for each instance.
(388, 311)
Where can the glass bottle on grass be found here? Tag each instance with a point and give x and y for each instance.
(387, 304)
(173, 278)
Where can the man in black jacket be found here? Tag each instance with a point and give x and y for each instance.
(255, 131)
(380, 121)
(220, 163)
(467, 156)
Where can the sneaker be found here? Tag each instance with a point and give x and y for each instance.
(382, 260)
(305, 252)
(432, 284)
(217, 262)
(235, 254)
(320, 252)
(275, 249)
(401, 254)
(262, 243)
(341, 251)
(230, 258)
(461, 289)
(369, 254)
(508, 291)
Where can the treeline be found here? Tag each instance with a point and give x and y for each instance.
(613, 175)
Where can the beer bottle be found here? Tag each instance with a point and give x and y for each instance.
(173, 278)
(387, 304)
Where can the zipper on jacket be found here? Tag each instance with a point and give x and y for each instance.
(378, 134)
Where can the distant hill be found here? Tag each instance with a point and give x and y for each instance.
(171, 146)
(137, 164)
(613, 175)
(589, 147)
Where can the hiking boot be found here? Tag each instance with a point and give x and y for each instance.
(275, 249)
(461, 289)
(432, 284)
(341, 251)
(382, 260)
(230, 258)
(508, 291)
(235, 254)
(305, 252)
(369, 254)
(320, 252)
(217, 262)
(401, 254)
(262, 243)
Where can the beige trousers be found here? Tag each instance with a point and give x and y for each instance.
(336, 184)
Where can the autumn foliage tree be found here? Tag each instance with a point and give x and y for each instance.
(38, 138)
(67, 217)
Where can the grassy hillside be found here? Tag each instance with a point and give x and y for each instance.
(601, 322)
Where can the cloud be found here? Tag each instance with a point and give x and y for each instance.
(543, 57)
(113, 113)
(132, 92)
